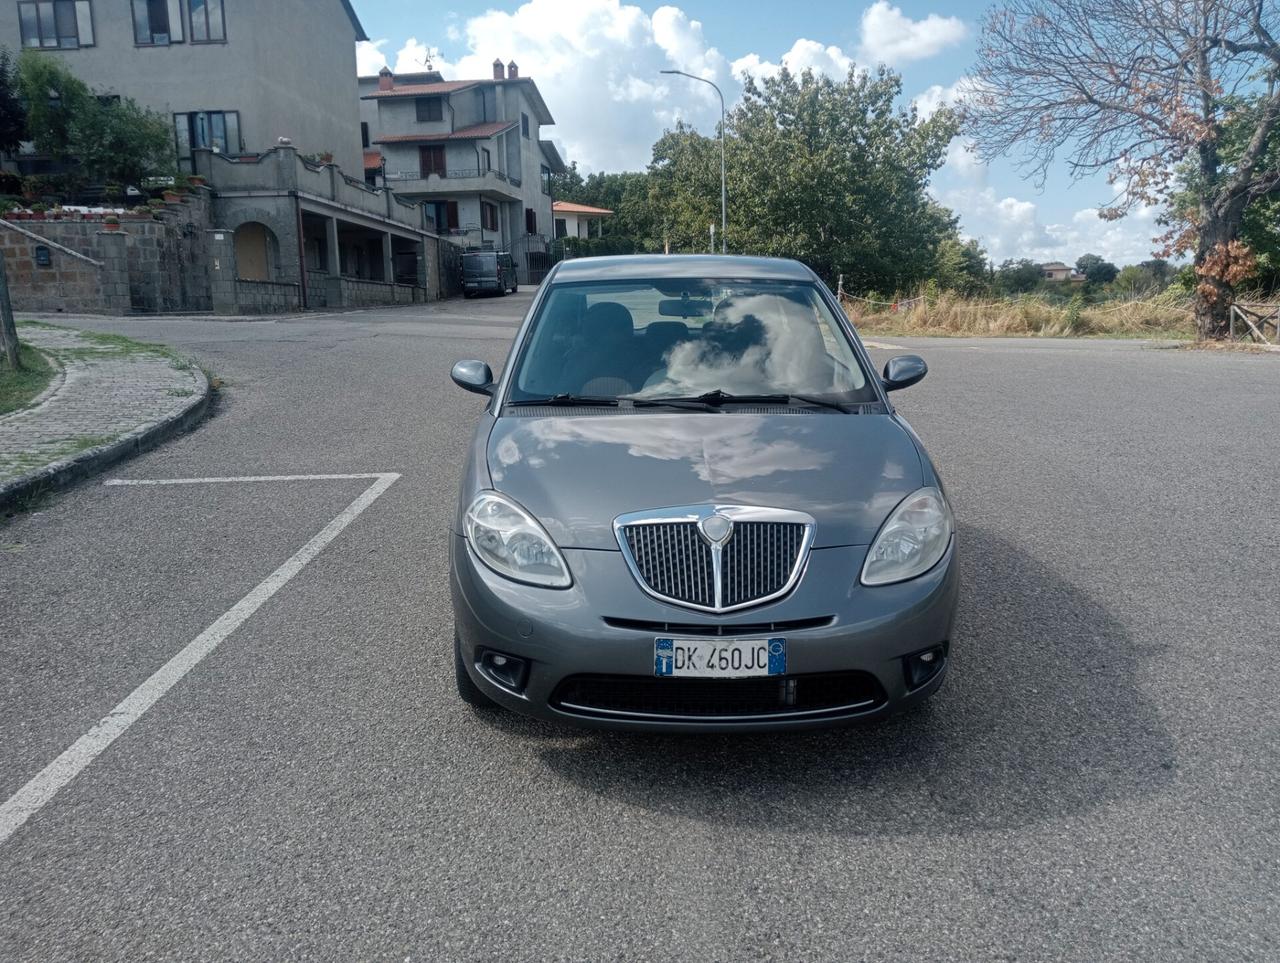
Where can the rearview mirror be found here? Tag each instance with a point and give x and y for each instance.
(473, 376)
(904, 371)
(684, 308)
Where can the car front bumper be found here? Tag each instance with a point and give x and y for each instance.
(604, 625)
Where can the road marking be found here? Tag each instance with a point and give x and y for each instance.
(883, 344)
(244, 478)
(28, 800)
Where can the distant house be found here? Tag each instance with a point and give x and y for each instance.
(472, 151)
(1058, 272)
(576, 220)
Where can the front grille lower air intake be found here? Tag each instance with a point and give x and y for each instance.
(716, 558)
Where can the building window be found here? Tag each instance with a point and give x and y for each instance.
(431, 161)
(451, 214)
(546, 179)
(215, 129)
(208, 25)
(62, 24)
(562, 227)
(488, 216)
(364, 135)
(486, 159)
(157, 23)
(524, 124)
(530, 221)
(430, 109)
(44, 257)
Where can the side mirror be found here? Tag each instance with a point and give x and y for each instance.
(473, 376)
(904, 371)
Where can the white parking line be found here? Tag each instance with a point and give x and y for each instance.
(28, 800)
(244, 478)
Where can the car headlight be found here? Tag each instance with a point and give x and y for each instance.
(911, 541)
(511, 542)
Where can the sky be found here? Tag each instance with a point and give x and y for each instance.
(597, 65)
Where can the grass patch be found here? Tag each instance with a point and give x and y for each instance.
(19, 388)
(949, 315)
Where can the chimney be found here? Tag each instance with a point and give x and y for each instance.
(497, 69)
(386, 79)
(512, 71)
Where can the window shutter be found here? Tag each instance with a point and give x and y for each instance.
(175, 21)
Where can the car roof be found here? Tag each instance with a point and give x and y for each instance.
(640, 266)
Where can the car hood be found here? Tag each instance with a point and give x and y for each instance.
(578, 472)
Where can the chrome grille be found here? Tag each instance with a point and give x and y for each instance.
(755, 560)
(758, 560)
(674, 560)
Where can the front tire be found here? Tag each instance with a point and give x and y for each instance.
(468, 691)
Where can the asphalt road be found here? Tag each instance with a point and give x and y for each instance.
(1096, 781)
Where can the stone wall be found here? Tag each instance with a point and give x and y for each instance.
(86, 270)
(267, 297)
(359, 293)
(162, 269)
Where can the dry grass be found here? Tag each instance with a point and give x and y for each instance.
(949, 315)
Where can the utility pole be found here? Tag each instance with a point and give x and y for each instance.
(724, 204)
(8, 331)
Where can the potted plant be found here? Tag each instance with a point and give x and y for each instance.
(326, 157)
(155, 203)
(38, 211)
(196, 180)
(111, 222)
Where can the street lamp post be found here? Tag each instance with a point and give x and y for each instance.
(724, 207)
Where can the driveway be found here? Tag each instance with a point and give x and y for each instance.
(285, 772)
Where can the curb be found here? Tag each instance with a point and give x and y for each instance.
(67, 471)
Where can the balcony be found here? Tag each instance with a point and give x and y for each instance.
(490, 183)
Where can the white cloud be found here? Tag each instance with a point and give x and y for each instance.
(369, 57)
(1009, 227)
(931, 98)
(803, 55)
(889, 36)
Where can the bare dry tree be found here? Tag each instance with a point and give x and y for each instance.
(1143, 90)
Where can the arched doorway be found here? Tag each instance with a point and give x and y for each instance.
(257, 252)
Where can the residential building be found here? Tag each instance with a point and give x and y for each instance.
(576, 220)
(472, 151)
(1057, 271)
(235, 75)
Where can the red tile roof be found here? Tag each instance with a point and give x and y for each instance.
(422, 90)
(565, 207)
(475, 132)
(372, 159)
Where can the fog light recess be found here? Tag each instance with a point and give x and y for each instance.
(504, 670)
(923, 666)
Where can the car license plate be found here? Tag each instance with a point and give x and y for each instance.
(719, 658)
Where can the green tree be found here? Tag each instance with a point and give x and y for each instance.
(1135, 281)
(53, 97)
(961, 266)
(1018, 277)
(1096, 270)
(13, 115)
(833, 173)
(117, 141)
(112, 139)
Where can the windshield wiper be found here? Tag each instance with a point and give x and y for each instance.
(719, 397)
(565, 400)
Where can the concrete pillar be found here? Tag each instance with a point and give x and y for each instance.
(114, 246)
(333, 263)
(222, 272)
(388, 259)
(423, 270)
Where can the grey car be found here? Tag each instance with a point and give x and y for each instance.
(689, 505)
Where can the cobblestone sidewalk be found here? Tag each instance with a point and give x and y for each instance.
(111, 395)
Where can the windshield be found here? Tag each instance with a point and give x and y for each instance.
(682, 338)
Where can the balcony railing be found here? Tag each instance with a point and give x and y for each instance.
(454, 173)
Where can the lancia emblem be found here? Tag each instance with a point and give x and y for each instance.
(716, 528)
